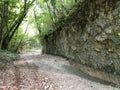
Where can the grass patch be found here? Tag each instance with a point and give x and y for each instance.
(6, 57)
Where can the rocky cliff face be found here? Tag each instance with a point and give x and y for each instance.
(90, 36)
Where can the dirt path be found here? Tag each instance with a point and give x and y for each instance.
(45, 72)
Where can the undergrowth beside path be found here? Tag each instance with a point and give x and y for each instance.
(6, 58)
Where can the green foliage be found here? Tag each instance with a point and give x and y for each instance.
(33, 43)
(50, 13)
(8, 54)
(18, 41)
(7, 57)
(47, 13)
(12, 13)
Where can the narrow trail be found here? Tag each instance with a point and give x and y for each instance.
(45, 72)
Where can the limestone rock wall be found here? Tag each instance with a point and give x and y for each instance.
(89, 37)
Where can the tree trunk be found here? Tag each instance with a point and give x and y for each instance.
(4, 19)
(8, 33)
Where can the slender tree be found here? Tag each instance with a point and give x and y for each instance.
(10, 21)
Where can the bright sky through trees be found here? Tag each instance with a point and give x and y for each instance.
(29, 23)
